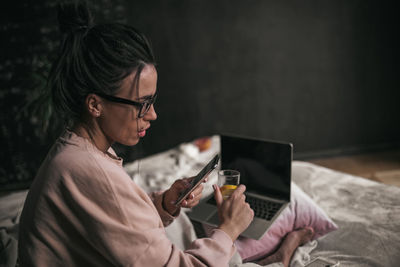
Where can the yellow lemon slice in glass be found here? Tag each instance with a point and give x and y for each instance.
(227, 190)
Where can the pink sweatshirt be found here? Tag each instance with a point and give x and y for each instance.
(84, 210)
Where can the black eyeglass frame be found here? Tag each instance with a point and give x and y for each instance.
(140, 105)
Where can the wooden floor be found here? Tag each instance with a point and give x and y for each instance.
(379, 166)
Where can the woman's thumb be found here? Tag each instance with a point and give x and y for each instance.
(217, 195)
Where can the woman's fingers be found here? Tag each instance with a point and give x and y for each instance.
(198, 190)
(217, 195)
(192, 200)
(239, 191)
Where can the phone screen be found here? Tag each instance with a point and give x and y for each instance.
(199, 178)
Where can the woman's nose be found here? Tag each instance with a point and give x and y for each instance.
(151, 115)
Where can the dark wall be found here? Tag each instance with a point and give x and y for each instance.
(321, 74)
(29, 40)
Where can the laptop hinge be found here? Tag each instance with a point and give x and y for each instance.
(266, 198)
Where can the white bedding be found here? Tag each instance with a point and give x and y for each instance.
(367, 213)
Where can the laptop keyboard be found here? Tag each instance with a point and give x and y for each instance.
(262, 208)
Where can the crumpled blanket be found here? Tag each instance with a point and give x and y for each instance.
(182, 233)
(11, 205)
(8, 249)
(367, 212)
(300, 258)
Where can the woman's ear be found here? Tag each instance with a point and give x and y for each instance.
(93, 105)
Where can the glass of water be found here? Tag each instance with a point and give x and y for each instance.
(228, 181)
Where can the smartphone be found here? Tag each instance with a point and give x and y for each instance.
(199, 178)
(322, 262)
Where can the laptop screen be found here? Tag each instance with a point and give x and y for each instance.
(264, 166)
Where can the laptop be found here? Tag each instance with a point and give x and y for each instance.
(265, 169)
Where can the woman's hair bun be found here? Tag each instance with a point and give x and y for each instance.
(73, 16)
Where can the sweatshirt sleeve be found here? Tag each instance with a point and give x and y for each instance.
(166, 217)
(123, 225)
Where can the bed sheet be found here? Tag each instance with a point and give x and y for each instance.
(367, 213)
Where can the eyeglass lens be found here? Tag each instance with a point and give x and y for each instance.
(146, 106)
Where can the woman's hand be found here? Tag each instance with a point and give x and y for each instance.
(173, 193)
(234, 213)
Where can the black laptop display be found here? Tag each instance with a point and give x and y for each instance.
(265, 167)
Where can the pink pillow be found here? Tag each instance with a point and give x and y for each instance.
(302, 211)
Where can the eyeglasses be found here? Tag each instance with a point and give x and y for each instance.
(143, 106)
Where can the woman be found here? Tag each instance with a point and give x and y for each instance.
(83, 209)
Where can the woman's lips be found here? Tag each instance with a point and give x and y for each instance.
(142, 133)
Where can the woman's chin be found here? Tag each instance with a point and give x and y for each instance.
(134, 142)
(130, 142)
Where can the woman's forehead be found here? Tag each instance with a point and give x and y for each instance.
(147, 83)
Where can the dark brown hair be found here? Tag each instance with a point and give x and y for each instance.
(93, 58)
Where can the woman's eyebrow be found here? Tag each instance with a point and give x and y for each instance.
(146, 97)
